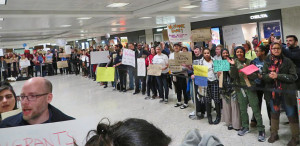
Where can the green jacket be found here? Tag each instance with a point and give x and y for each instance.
(239, 77)
(287, 75)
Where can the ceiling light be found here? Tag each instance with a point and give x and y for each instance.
(0, 27)
(190, 6)
(117, 5)
(65, 25)
(1, 19)
(84, 18)
(114, 29)
(242, 9)
(115, 23)
(3, 2)
(195, 17)
(159, 29)
(145, 17)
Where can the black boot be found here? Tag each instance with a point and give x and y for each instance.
(208, 111)
(218, 110)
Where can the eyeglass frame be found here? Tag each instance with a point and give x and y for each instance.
(27, 97)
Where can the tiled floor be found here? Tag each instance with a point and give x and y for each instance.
(81, 97)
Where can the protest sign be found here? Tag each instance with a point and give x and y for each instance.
(51, 134)
(221, 65)
(248, 70)
(1, 52)
(62, 64)
(233, 34)
(124, 41)
(201, 81)
(154, 70)
(201, 35)
(200, 70)
(64, 55)
(99, 57)
(68, 49)
(179, 32)
(105, 74)
(8, 60)
(165, 35)
(10, 113)
(128, 57)
(183, 58)
(141, 67)
(24, 64)
(174, 67)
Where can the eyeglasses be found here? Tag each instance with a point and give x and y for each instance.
(31, 97)
(8, 96)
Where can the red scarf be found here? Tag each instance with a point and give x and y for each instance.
(275, 65)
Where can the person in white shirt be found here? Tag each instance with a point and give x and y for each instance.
(218, 55)
(24, 63)
(163, 88)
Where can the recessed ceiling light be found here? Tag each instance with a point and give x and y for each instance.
(190, 6)
(1, 19)
(117, 5)
(145, 17)
(84, 18)
(195, 17)
(0, 27)
(65, 25)
(242, 9)
(3, 2)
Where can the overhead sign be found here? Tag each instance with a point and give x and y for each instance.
(260, 16)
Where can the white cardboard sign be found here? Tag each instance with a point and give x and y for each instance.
(99, 57)
(1, 52)
(179, 32)
(233, 34)
(141, 67)
(68, 49)
(128, 57)
(52, 134)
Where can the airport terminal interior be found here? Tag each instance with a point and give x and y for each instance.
(121, 59)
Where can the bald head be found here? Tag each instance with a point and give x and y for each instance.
(41, 82)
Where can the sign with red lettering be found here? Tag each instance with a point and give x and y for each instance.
(179, 32)
(52, 134)
(128, 57)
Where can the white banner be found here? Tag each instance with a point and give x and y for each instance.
(52, 134)
(128, 57)
(141, 67)
(179, 32)
(233, 34)
(68, 49)
(1, 52)
(99, 57)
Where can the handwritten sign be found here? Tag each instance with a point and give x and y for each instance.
(201, 35)
(52, 134)
(179, 32)
(62, 64)
(8, 60)
(64, 55)
(141, 67)
(99, 57)
(200, 70)
(105, 74)
(174, 67)
(233, 34)
(128, 57)
(221, 65)
(154, 70)
(68, 49)
(24, 63)
(201, 81)
(248, 70)
(183, 58)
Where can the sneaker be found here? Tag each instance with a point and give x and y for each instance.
(166, 101)
(243, 131)
(261, 136)
(184, 106)
(161, 101)
(105, 86)
(230, 127)
(147, 98)
(178, 104)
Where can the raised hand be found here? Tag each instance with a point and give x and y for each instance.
(231, 61)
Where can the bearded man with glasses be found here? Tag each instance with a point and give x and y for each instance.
(35, 98)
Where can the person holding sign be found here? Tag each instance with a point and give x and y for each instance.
(151, 80)
(231, 108)
(212, 88)
(122, 69)
(180, 82)
(280, 73)
(3, 67)
(163, 88)
(24, 63)
(36, 96)
(8, 98)
(15, 65)
(245, 95)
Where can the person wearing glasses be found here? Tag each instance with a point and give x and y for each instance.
(8, 99)
(35, 98)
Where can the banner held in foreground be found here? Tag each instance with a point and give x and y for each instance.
(105, 74)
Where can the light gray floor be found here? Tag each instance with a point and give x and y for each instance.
(81, 97)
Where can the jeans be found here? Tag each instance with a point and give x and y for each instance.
(151, 84)
(37, 69)
(123, 78)
(131, 76)
(290, 111)
(180, 86)
(163, 86)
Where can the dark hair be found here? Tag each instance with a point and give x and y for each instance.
(292, 36)
(205, 49)
(239, 47)
(131, 132)
(224, 49)
(185, 48)
(264, 49)
(6, 86)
